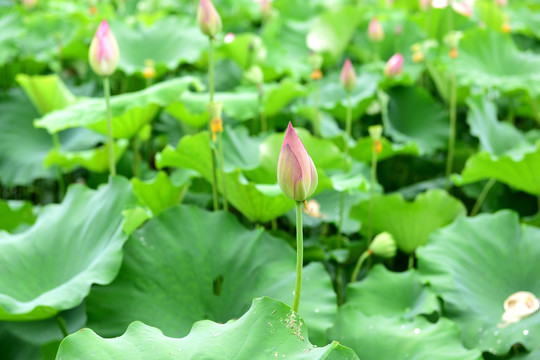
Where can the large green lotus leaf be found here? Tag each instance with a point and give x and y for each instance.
(51, 266)
(159, 193)
(388, 338)
(391, 294)
(14, 213)
(363, 150)
(332, 31)
(491, 59)
(518, 168)
(12, 27)
(191, 108)
(324, 153)
(277, 96)
(413, 115)
(130, 111)
(287, 53)
(259, 203)
(475, 264)
(269, 330)
(95, 159)
(495, 137)
(410, 222)
(168, 42)
(47, 92)
(46, 34)
(333, 98)
(219, 266)
(22, 147)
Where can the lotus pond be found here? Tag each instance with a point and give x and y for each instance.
(282, 179)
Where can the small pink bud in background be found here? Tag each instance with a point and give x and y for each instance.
(394, 65)
(29, 4)
(375, 30)
(296, 173)
(266, 9)
(208, 18)
(229, 38)
(502, 2)
(398, 30)
(424, 4)
(103, 54)
(439, 4)
(348, 76)
(463, 8)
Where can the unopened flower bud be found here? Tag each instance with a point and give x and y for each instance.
(208, 18)
(418, 57)
(383, 245)
(463, 8)
(348, 76)
(375, 131)
(103, 54)
(254, 75)
(216, 123)
(149, 72)
(502, 2)
(394, 66)
(296, 173)
(315, 61)
(375, 30)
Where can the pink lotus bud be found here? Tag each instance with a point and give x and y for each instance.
(398, 30)
(103, 54)
(266, 9)
(463, 8)
(208, 18)
(375, 30)
(502, 2)
(394, 65)
(296, 173)
(348, 76)
(424, 4)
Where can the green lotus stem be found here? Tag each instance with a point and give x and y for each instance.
(374, 158)
(316, 115)
(299, 256)
(410, 265)
(262, 112)
(482, 197)
(61, 183)
(348, 126)
(110, 140)
(222, 171)
(62, 325)
(359, 263)
(212, 148)
(452, 137)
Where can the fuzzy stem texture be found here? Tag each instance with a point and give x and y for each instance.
(299, 255)
(110, 140)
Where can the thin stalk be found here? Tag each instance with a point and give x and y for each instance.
(222, 171)
(410, 266)
(299, 256)
(374, 159)
(452, 137)
(61, 182)
(110, 141)
(482, 197)
(212, 148)
(262, 112)
(62, 325)
(348, 126)
(359, 263)
(316, 115)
